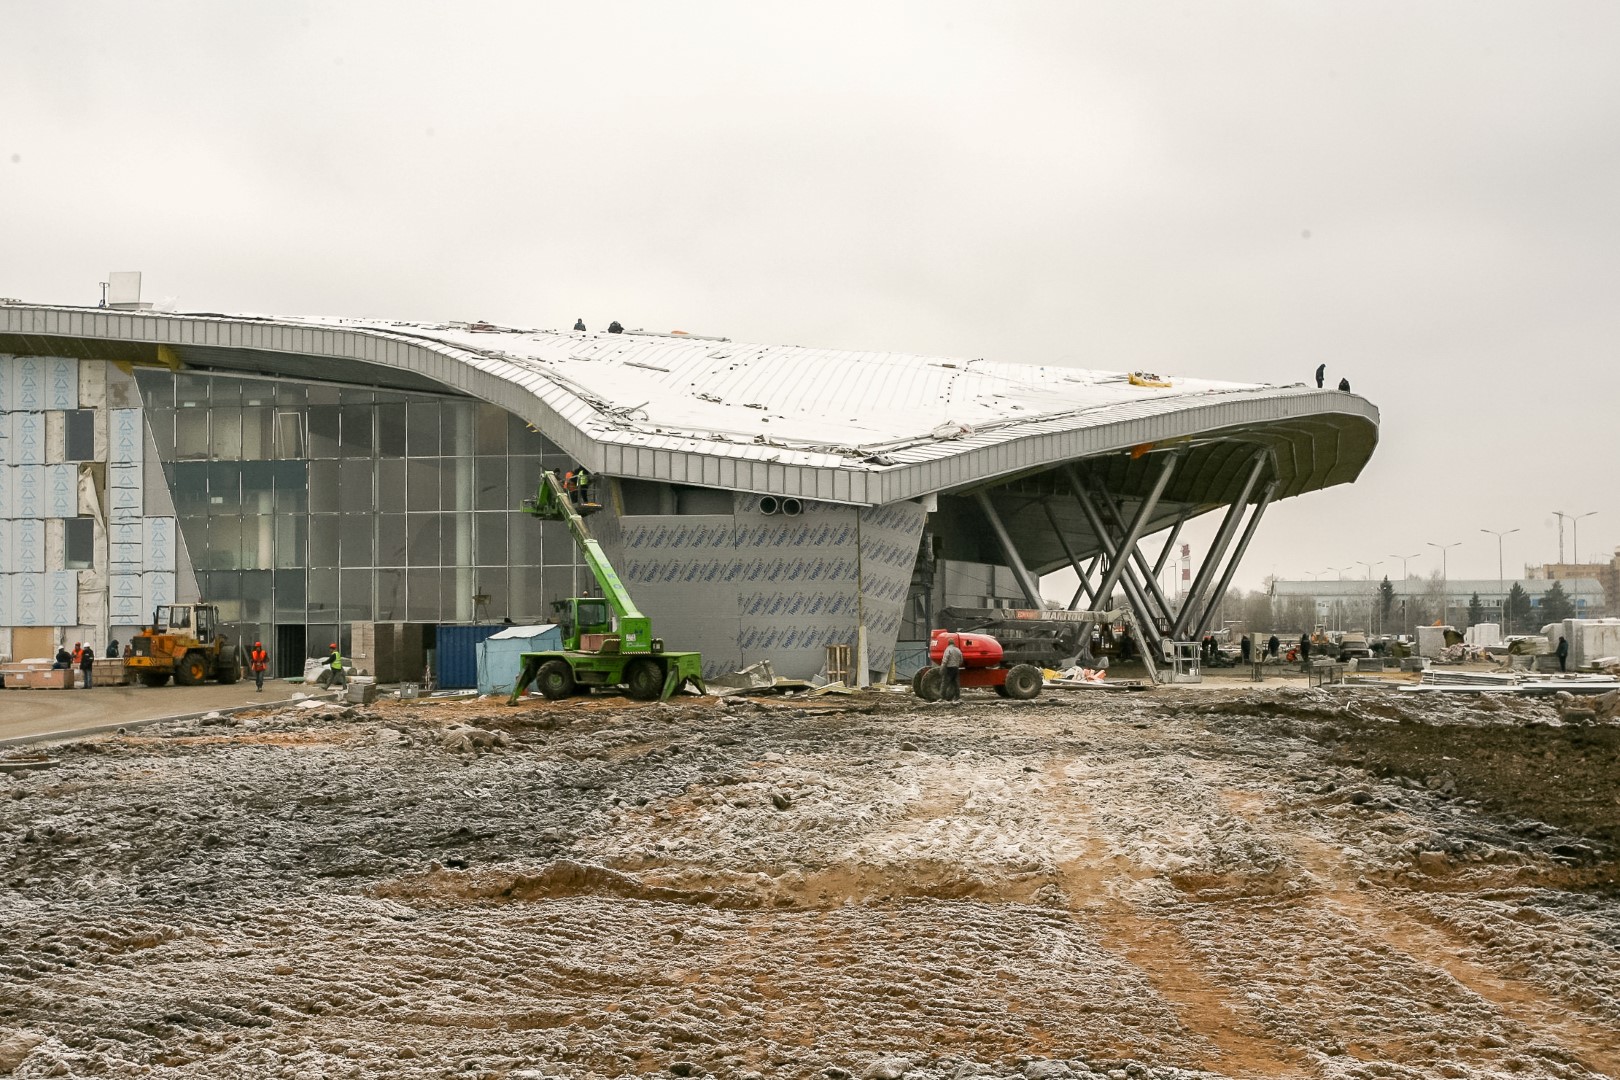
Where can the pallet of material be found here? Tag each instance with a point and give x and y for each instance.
(33, 676)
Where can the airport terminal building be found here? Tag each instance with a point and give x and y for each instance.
(761, 502)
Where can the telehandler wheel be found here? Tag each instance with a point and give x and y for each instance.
(555, 679)
(1001, 690)
(191, 670)
(154, 678)
(644, 679)
(1023, 682)
(929, 683)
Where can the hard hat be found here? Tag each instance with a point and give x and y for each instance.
(258, 644)
(332, 646)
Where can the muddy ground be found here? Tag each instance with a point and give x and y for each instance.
(1347, 883)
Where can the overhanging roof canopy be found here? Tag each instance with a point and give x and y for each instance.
(852, 427)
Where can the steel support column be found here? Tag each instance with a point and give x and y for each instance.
(1085, 580)
(1026, 580)
(1234, 514)
(1137, 600)
(1084, 591)
(1237, 557)
(1117, 564)
(1170, 543)
(1149, 580)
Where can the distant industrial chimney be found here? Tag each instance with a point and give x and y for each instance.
(123, 291)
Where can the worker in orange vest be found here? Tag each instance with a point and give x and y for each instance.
(78, 652)
(259, 660)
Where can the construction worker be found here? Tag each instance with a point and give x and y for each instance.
(1305, 651)
(259, 660)
(87, 664)
(112, 648)
(579, 324)
(1563, 654)
(335, 663)
(950, 665)
(582, 484)
(64, 659)
(1344, 384)
(1321, 375)
(570, 484)
(615, 328)
(1272, 645)
(78, 652)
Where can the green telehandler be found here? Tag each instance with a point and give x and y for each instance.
(608, 641)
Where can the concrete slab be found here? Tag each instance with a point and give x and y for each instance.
(41, 715)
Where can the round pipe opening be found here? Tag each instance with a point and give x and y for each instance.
(792, 507)
(768, 504)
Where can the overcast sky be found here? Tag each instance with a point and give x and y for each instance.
(1424, 196)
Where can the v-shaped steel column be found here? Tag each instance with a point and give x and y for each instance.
(1196, 595)
(1080, 572)
(1237, 557)
(1026, 580)
(1149, 579)
(1117, 563)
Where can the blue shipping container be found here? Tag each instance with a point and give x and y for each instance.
(457, 654)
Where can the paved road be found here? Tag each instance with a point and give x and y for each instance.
(32, 713)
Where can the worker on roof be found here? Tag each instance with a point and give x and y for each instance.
(1321, 375)
(615, 328)
(579, 324)
(1344, 384)
(259, 660)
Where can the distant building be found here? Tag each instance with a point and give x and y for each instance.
(1354, 603)
(1608, 574)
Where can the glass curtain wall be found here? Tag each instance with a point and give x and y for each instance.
(323, 505)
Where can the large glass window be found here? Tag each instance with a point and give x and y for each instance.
(392, 533)
(323, 423)
(354, 540)
(422, 545)
(225, 436)
(358, 440)
(78, 542)
(422, 433)
(80, 434)
(279, 484)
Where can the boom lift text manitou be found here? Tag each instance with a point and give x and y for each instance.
(609, 642)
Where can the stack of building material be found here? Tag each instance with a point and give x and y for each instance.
(36, 675)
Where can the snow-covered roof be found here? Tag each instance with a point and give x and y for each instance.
(846, 426)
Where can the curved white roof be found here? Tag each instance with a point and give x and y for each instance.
(858, 427)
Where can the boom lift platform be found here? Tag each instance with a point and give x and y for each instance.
(609, 642)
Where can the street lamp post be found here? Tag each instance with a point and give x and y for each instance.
(1575, 528)
(1445, 581)
(1370, 593)
(1501, 582)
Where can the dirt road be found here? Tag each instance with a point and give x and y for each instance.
(1276, 883)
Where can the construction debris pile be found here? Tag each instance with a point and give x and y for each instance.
(1168, 885)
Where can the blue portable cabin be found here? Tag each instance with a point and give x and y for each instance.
(499, 654)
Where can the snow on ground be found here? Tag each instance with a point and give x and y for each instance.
(1236, 884)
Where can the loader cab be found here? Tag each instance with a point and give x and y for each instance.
(200, 621)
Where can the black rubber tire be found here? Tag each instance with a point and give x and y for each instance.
(154, 678)
(929, 683)
(644, 679)
(191, 670)
(1001, 691)
(228, 673)
(555, 680)
(1023, 682)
